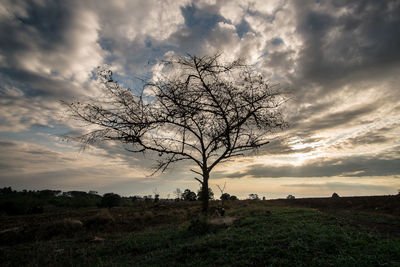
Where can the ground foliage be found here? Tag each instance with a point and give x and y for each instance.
(259, 233)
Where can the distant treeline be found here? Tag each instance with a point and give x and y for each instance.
(14, 202)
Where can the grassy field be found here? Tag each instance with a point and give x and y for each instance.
(252, 233)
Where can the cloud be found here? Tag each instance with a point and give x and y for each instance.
(49, 38)
(339, 37)
(59, 166)
(48, 51)
(340, 60)
(341, 186)
(356, 166)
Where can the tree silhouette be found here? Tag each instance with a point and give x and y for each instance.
(188, 195)
(201, 109)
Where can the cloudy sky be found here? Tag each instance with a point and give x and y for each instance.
(340, 59)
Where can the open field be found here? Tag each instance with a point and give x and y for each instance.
(360, 231)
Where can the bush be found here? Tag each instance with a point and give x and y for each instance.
(233, 198)
(66, 227)
(334, 195)
(199, 226)
(189, 195)
(110, 200)
(254, 197)
(290, 197)
(102, 218)
(200, 194)
(225, 196)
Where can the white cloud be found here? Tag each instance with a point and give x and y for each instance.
(338, 57)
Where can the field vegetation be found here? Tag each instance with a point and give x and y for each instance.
(341, 231)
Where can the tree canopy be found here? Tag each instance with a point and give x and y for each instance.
(199, 109)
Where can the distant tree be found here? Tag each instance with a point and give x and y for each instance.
(189, 195)
(48, 193)
(335, 195)
(225, 196)
(156, 195)
(110, 200)
(202, 109)
(254, 197)
(200, 194)
(135, 198)
(178, 194)
(76, 194)
(233, 198)
(148, 199)
(290, 197)
(6, 190)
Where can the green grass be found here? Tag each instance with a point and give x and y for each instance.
(262, 235)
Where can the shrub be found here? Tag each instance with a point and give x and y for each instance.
(199, 226)
(110, 200)
(334, 195)
(200, 194)
(102, 218)
(254, 197)
(66, 227)
(290, 197)
(189, 195)
(233, 198)
(225, 196)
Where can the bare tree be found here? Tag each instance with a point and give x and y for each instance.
(202, 110)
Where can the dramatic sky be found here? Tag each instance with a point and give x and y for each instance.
(340, 59)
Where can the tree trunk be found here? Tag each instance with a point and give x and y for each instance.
(205, 196)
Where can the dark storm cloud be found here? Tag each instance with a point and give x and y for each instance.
(363, 39)
(357, 166)
(44, 42)
(337, 119)
(47, 52)
(348, 47)
(38, 85)
(39, 27)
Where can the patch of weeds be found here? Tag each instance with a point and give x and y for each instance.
(199, 226)
(283, 237)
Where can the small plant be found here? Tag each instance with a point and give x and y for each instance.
(110, 200)
(156, 195)
(199, 226)
(290, 197)
(335, 195)
(104, 217)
